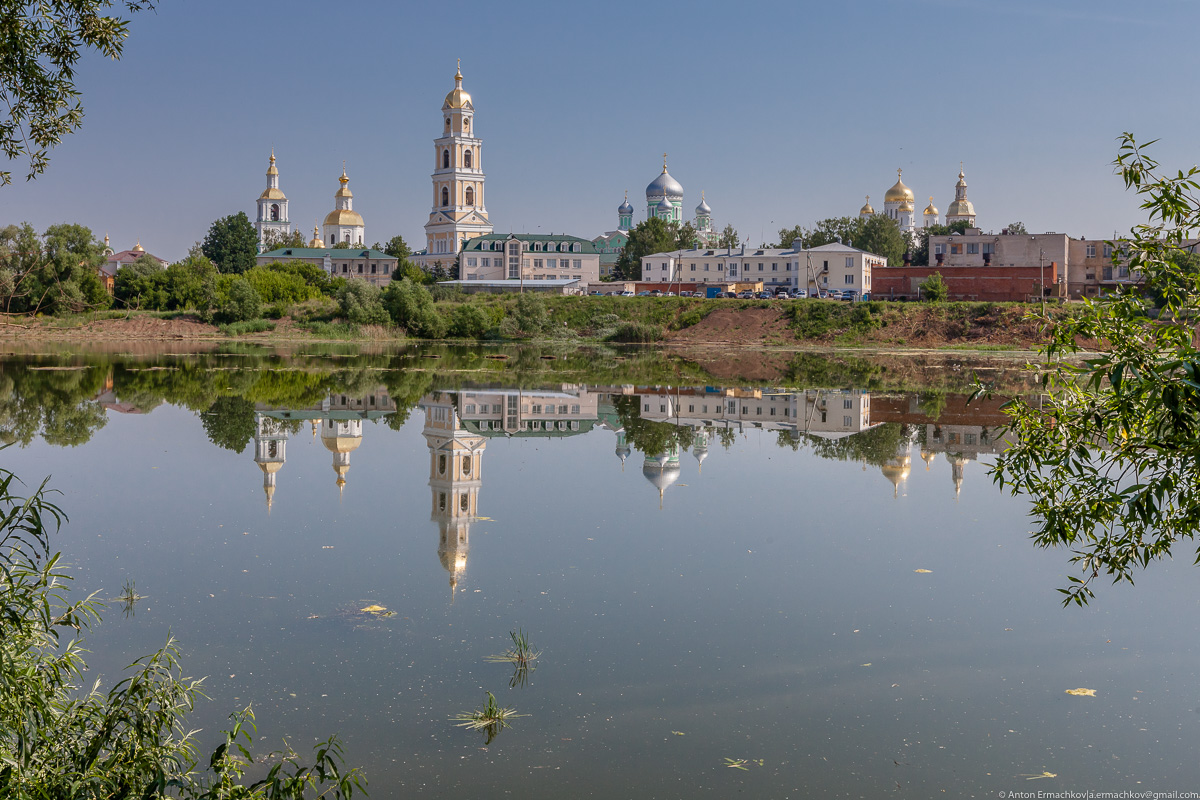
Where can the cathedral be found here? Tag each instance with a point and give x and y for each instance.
(899, 206)
(664, 200)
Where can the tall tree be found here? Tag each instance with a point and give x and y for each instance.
(42, 44)
(231, 243)
(882, 236)
(396, 247)
(275, 240)
(729, 237)
(648, 236)
(686, 237)
(1016, 228)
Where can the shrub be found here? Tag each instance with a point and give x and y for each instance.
(277, 286)
(530, 314)
(934, 289)
(246, 326)
(636, 332)
(411, 307)
(468, 321)
(361, 304)
(439, 292)
(241, 302)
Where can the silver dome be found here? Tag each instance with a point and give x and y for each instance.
(664, 205)
(625, 207)
(703, 207)
(665, 186)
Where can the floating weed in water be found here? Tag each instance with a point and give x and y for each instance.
(129, 597)
(737, 763)
(490, 719)
(1030, 777)
(521, 653)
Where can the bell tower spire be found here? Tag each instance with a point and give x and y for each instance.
(272, 216)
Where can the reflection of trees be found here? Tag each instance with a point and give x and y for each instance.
(54, 404)
(229, 423)
(814, 369)
(650, 438)
(875, 446)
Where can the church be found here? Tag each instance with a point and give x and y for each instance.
(343, 225)
(899, 206)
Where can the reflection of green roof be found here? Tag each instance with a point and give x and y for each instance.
(585, 425)
(312, 413)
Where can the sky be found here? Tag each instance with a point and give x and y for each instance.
(783, 113)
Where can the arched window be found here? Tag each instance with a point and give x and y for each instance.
(470, 196)
(445, 159)
(577, 248)
(466, 127)
(445, 196)
(447, 123)
(467, 158)
(275, 212)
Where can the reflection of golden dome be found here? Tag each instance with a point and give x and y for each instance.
(271, 467)
(899, 192)
(343, 216)
(866, 209)
(895, 472)
(341, 444)
(458, 98)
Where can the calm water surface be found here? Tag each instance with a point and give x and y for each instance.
(821, 580)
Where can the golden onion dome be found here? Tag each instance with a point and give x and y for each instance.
(930, 211)
(458, 97)
(344, 189)
(344, 217)
(271, 467)
(271, 169)
(271, 193)
(866, 209)
(907, 206)
(899, 192)
(316, 241)
(341, 444)
(137, 248)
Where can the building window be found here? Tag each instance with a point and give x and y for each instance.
(849, 280)
(373, 269)
(693, 268)
(955, 249)
(939, 249)
(577, 263)
(973, 249)
(470, 262)
(466, 465)
(360, 269)
(551, 262)
(537, 263)
(774, 267)
(445, 196)
(846, 421)
(1108, 251)
(442, 465)
(385, 269)
(467, 157)
(470, 196)
(1091, 251)
(445, 159)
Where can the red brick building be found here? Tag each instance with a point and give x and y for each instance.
(986, 283)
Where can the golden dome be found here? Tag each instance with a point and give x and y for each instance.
(271, 169)
(906, 206)
(960, 208)
(343, 217)
(315, 242)
(930, 211)
(137, 248)
(895, 472)
(271, 193)
(271, 467)
(344, 190)
(458, 98)
(899, 192)
(341, 444)
(866, 209)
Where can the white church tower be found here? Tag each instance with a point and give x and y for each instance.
(272, 207)
(459, 212)
(898, 205)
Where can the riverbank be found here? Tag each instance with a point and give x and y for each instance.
(678, 322)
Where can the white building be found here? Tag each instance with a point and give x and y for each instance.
(344, 224)
(272, 207)
(517, 256)
(830, 266)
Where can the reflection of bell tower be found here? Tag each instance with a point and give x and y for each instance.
(662, 470)
(896, 468)
(270, 451)
(455, 476)
(700, 448)
(341, 437)
(622, 450)
(957, 462)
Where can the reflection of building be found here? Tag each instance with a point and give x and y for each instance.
(662, 470)
(537, 412)
(961, 444)
(830, 413)
(896, 469)
(338, 418)
(455, 476)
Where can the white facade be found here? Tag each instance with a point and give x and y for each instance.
(961, 209)
(344, 224)
(272, 207)
(830, 266)
(517, 256)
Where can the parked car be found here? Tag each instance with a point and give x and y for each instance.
(833, 294)
(782, 295)
(627, 293)
(685, 293)
(745, 295)
(799, 293)
(643, 294)
(850, 294)
(730, 295)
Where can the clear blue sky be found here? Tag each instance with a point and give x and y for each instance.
(782, 112)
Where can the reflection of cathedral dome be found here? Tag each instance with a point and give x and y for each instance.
(662, 471)
(341, 444)
(271, 467)
(896, 470)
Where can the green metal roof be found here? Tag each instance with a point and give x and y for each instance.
(321, 252)
(476, 244)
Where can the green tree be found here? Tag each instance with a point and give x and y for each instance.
(934, 289)
(729, 237)
(648, 236)
(686, 237)
(231, 243)
(241, 302)
(411, 307)
(787, 236)
(396, 247)
(361, 303)
(882, 236)
(1014, 228)
(142, 284)
(43, 43)
(1107, 453)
